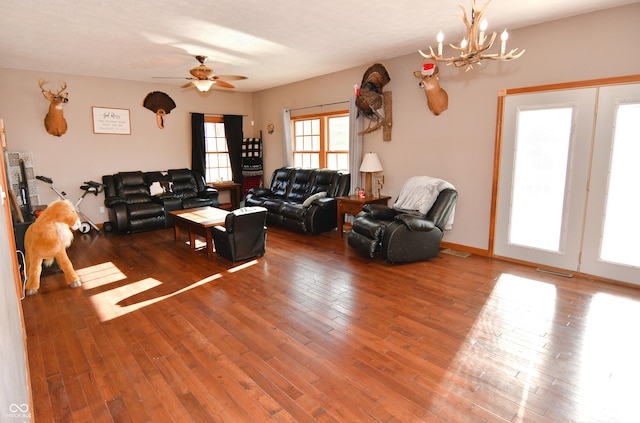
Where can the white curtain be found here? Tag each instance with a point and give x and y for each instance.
(356, 124)
(286, 138)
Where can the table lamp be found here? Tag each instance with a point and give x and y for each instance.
(370, 164)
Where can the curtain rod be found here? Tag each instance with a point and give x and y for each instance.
(216, 114)
(319, 105)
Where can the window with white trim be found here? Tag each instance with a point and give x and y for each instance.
(321, 141)
(217, 163)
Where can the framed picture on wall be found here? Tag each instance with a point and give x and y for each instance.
(107, 120)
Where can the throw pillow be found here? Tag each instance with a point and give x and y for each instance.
(167, 187)
(161, 187)
(156, 188)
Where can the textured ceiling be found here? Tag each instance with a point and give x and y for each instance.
(271, 42)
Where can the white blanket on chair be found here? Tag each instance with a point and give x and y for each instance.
(420, 192)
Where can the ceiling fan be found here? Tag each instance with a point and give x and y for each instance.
(203, 77)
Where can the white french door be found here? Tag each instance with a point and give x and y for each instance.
(569, 167)
(611, 245)
(543, 174)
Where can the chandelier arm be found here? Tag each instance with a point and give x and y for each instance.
(432, 55)
(465, 19)
(504, 57)
(493, 38)
(468, 51)
(428, 56)
(476, 22)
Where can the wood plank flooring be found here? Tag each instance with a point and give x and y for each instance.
(314, 332)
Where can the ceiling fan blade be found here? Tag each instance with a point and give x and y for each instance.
(171, 77)
(224, 84)
(231, 77)
(188, 84)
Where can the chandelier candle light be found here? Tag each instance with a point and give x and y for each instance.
(472, 47)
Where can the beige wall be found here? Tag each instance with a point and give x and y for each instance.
(80, 155)
(458, 145)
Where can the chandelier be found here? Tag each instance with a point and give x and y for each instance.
(473, 46)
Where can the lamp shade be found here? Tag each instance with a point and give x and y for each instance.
(370, 163)
(202, 84)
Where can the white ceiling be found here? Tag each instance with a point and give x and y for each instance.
(272, 42)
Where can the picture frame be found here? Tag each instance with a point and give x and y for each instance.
(378, 182)
(109, 120)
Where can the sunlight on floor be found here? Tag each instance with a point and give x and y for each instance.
(530, 306)
(199, 244)
(106, 303)
(515, 321)
(600, 352)
(609, 366)
(100, 274)
(243, 266)
(116, 301)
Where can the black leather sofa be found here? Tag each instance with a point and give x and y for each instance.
(302, 200)
(139, 201)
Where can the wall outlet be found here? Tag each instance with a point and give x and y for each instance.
(101, 209)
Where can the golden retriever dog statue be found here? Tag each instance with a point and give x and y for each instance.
(47, 239)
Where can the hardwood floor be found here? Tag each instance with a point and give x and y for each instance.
(315, 332)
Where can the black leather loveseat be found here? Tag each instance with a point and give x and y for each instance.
(302, 200)
(139, 201)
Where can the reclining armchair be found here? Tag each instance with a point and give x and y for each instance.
(243, 236)
(402, 234)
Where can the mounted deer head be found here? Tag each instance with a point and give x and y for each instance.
(437, 98)
(54, 120)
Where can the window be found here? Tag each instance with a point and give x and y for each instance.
(321, 141)
(218, 166)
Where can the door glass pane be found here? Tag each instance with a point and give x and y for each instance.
(540, 173)
(621, 224)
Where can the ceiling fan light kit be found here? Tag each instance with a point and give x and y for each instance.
(202, 85)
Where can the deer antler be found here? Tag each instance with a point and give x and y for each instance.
(63, 86)
(41, 83)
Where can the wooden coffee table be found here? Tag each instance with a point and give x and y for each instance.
(198, 221)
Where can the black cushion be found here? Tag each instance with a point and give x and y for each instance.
(301, 185)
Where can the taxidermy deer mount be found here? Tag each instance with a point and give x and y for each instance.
(437, 98)
(54, 120)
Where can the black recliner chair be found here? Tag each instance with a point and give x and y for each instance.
(243, 236)
(401, 236)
